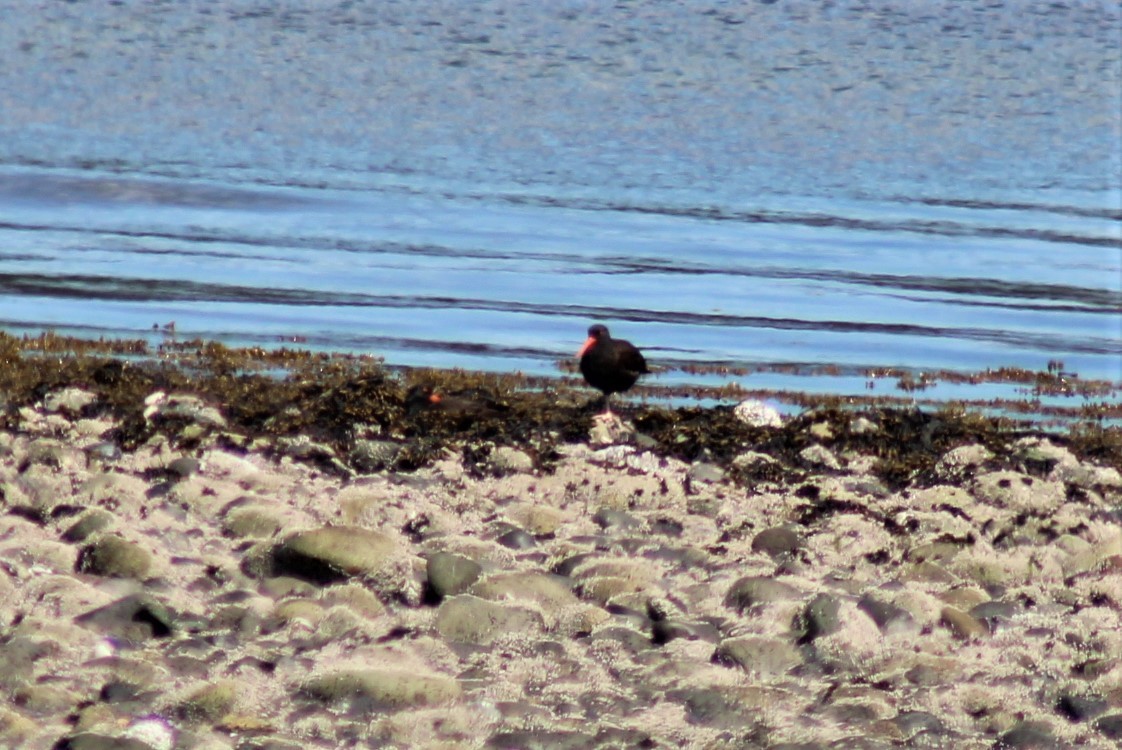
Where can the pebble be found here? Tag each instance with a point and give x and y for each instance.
(449, 574)
(333, 553)
(372, 690)
(758, 414)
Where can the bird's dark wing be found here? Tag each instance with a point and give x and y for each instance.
(632, 360)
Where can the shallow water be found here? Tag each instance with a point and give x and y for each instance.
(868, 186)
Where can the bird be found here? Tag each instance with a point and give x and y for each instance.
(465, 406)
(610, 365)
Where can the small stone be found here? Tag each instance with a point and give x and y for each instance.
(90, 523)
(749, 591)
(819, 456)
(962, 624)
(610, 432)
(887, 616)
(470, 619)
(911, 723)
(822, 431)
(101, 741)
(758, 654)
(69, 401)
(778, 542)
(819, 618)
(543, 738)
(373, 690)
(1110, 727)
(1078, 707)
(114, 557)
(706, 472)
(758, 414)
(184, 466)
(133, 618)
(507, 460)
(333, 553)
(374, 455)
(449, 574)
(993, 612)
(863, 426)
(962, 462)
(610, 518)
(251, 522)
(1027, 735)
(517, 539)
(208, 703)
(106, 450)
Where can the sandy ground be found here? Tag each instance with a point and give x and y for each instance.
(226, 598)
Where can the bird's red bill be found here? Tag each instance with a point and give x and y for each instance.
(587, 345)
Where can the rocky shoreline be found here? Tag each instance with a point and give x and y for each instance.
(324, 565)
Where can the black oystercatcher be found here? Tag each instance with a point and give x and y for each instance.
(610, 365)
(466, 406)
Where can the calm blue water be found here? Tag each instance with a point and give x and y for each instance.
(899, 184)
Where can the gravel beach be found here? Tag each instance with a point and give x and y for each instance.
(192, 585)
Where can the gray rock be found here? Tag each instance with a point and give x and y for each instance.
(450, 574)
(541, 739)
(1027, 735)
(706, 472)
(373, 690)
(993, 613)
(182, 406)
(507, 460)
(610, 518)
(470, 619)
(1019, 492)
(961, 462)
(887, 616)
(208, 703)
(184, 466)
(333, 553)
(304, 448)
(374, 455)
(749, 591)
(758, 654)
(758, 414)
(90, 523)
(713, 707)
(911, 723)
(863, 426)
(101, 741)
(819, 456)
(114, 557)
(251, 522)
(69, 401)
(517, 539)
(1110, 727)
(820, 617)
(669, 629)
(106, 450)
(134, 618)
(962, 624)
(53, 454)
(1080, 707)
(777, 542)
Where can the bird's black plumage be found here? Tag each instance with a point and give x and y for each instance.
(610, 365)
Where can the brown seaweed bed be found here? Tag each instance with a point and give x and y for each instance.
(204, 548)
(338, 399)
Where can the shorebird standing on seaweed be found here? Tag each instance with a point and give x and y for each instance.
(610, 365)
